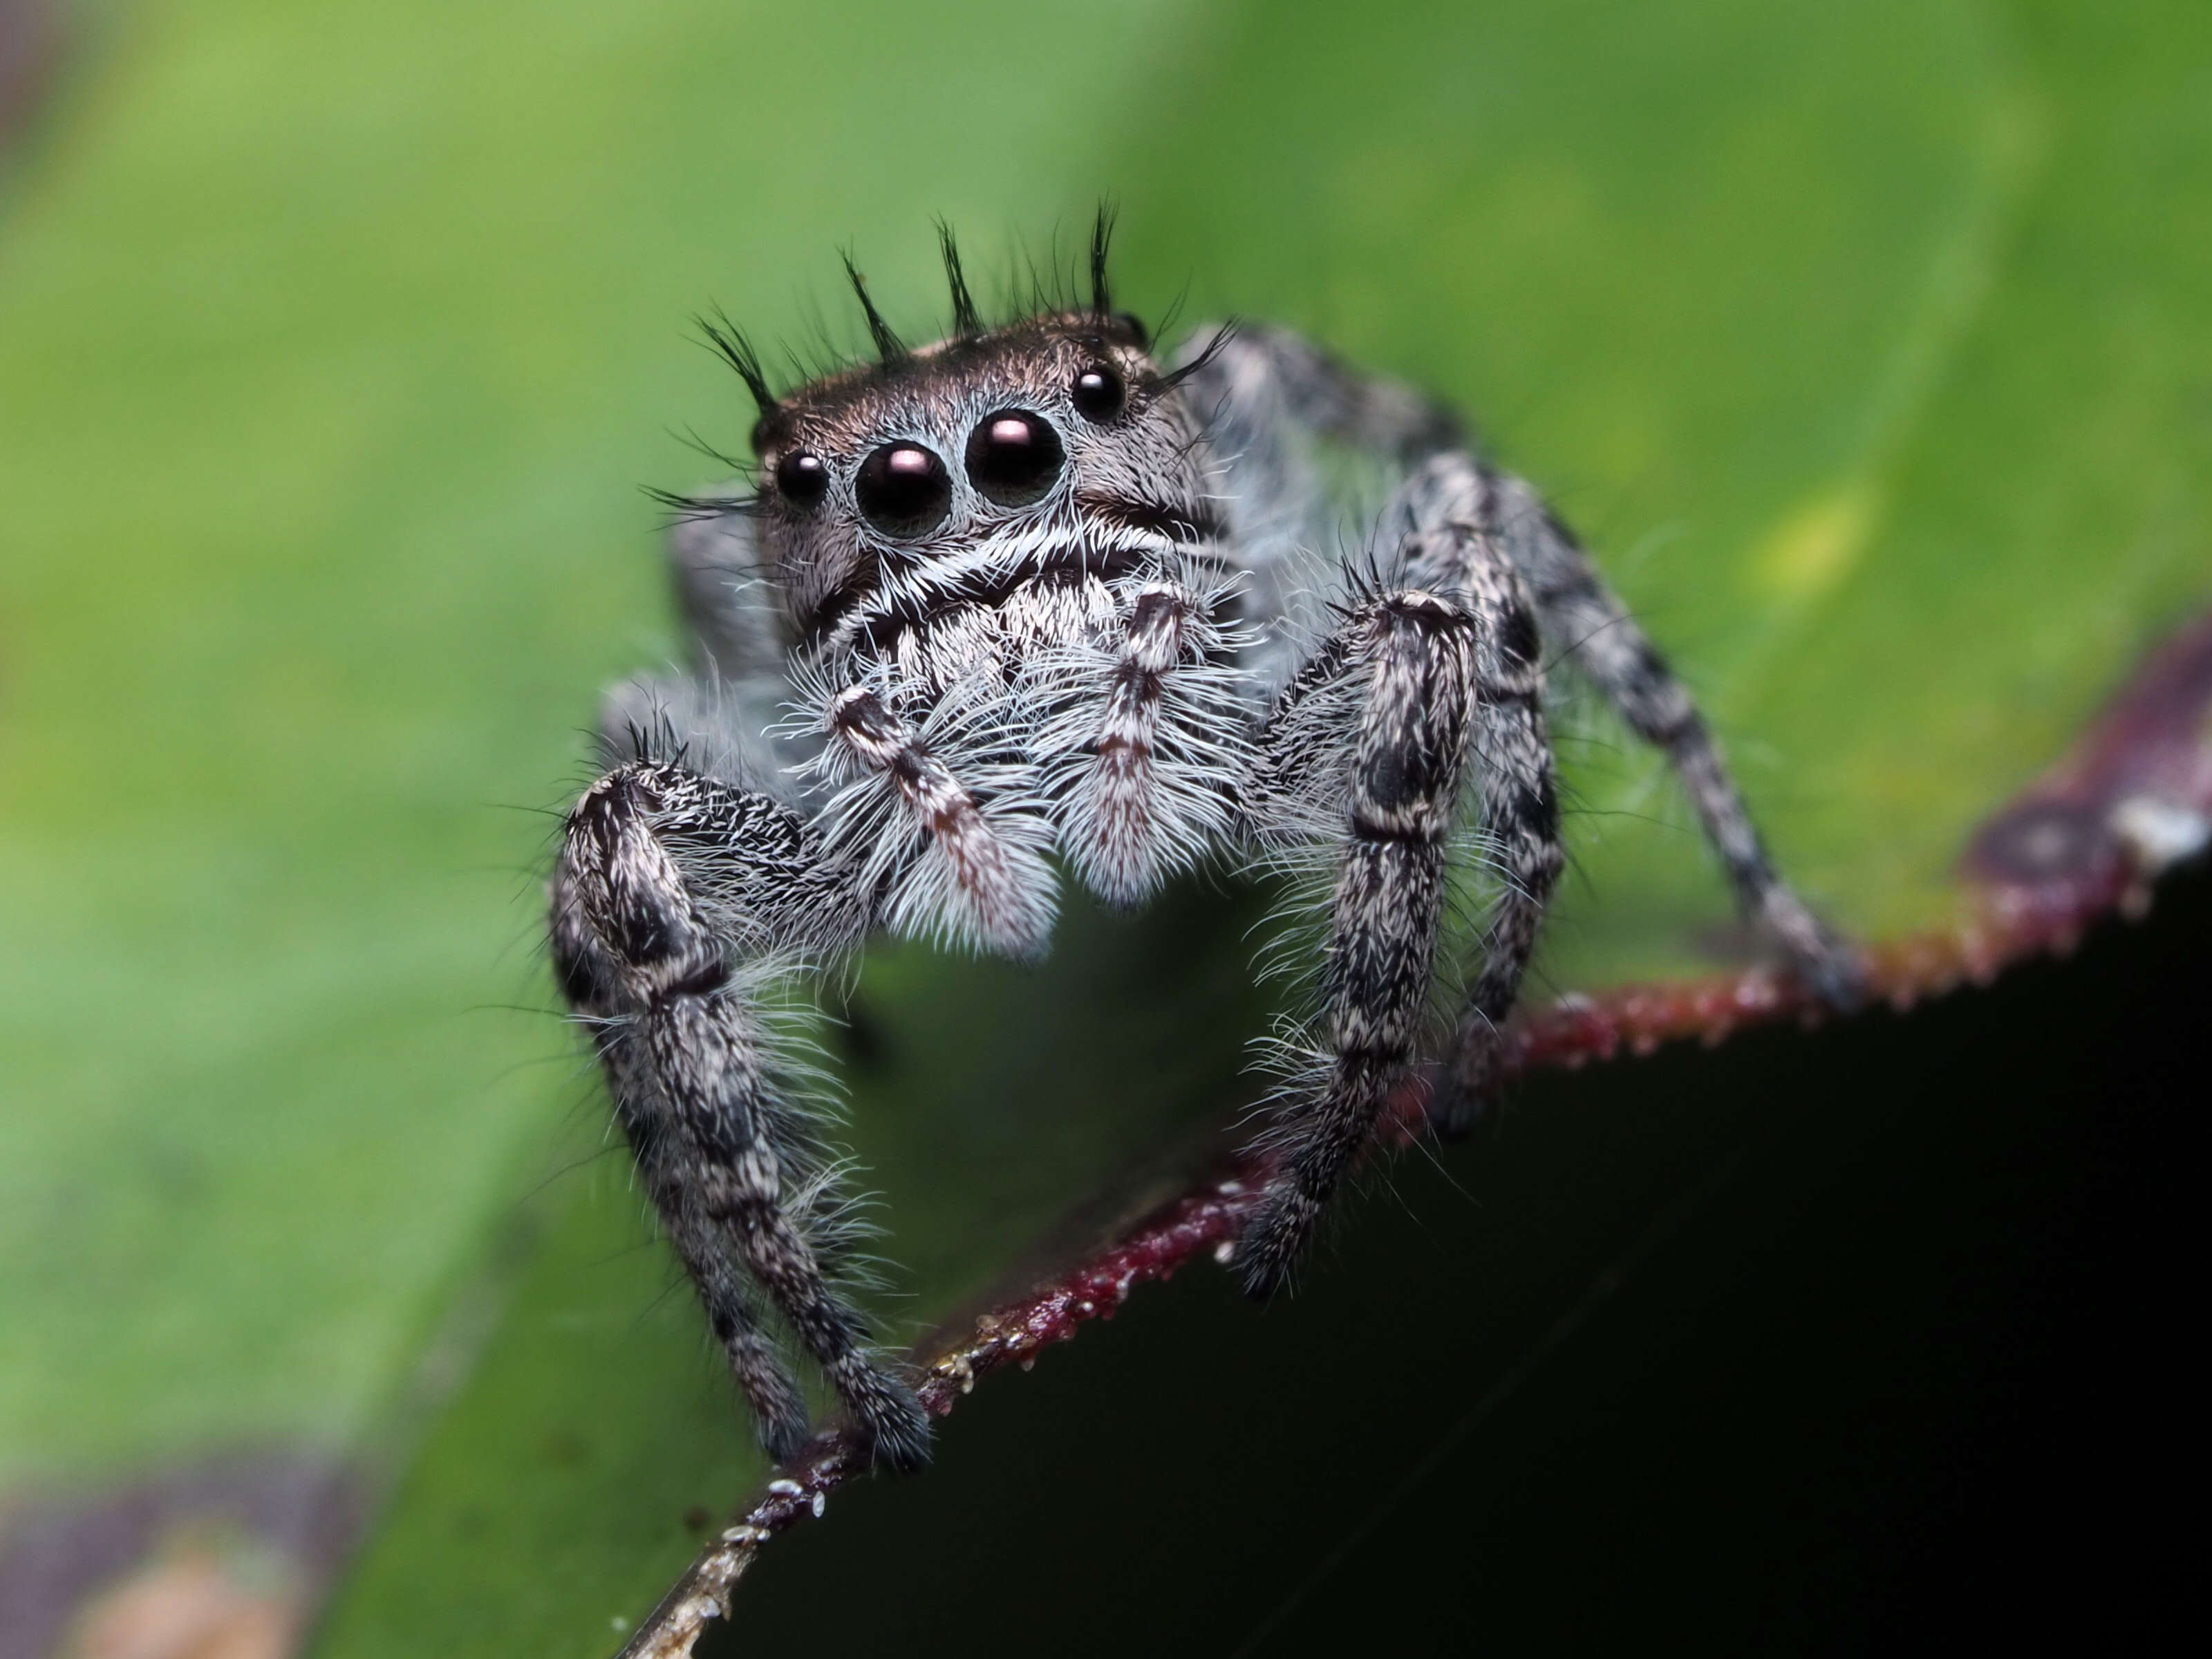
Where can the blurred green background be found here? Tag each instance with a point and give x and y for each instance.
(1871, 346)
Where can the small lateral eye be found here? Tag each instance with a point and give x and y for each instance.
(1013, 457)
(801, 478)
(904, 491)
(1099, 393)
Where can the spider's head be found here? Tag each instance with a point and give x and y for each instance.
(1052, 442)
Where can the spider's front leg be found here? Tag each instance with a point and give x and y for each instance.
(668, 882)
(1399, 690)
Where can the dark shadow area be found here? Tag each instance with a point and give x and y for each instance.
(1870, 1340)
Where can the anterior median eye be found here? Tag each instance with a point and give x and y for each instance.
(1013, 457)
(904, 491)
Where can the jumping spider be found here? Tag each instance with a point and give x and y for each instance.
(1024, 594)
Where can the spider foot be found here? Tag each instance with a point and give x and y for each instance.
(1455, 1105)
(892, 1418)
(1826, 962)
(1274, 1238)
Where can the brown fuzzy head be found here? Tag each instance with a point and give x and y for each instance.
(1049, 444)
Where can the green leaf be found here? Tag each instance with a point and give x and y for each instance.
(1871, 347)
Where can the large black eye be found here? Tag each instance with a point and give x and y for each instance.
(904, 490)
(1013, 456)
(800, 478)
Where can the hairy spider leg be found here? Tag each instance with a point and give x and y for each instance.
(1447, 552)
(589, 981)
(636, 948)
(1606, 643)
(1398, 682)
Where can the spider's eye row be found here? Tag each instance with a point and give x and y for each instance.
(904, 490)
(1098, 393)
(1013, 457)
(801, 478)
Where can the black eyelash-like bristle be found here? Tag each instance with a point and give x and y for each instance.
(1212, 349)
(698, 509)
(729, 342)
(888, 347)
(691, 440)
(1101, 234)
(965, 320)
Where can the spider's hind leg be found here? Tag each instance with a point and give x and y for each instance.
(1593, 630)
(667, 880)
(1446, 550)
